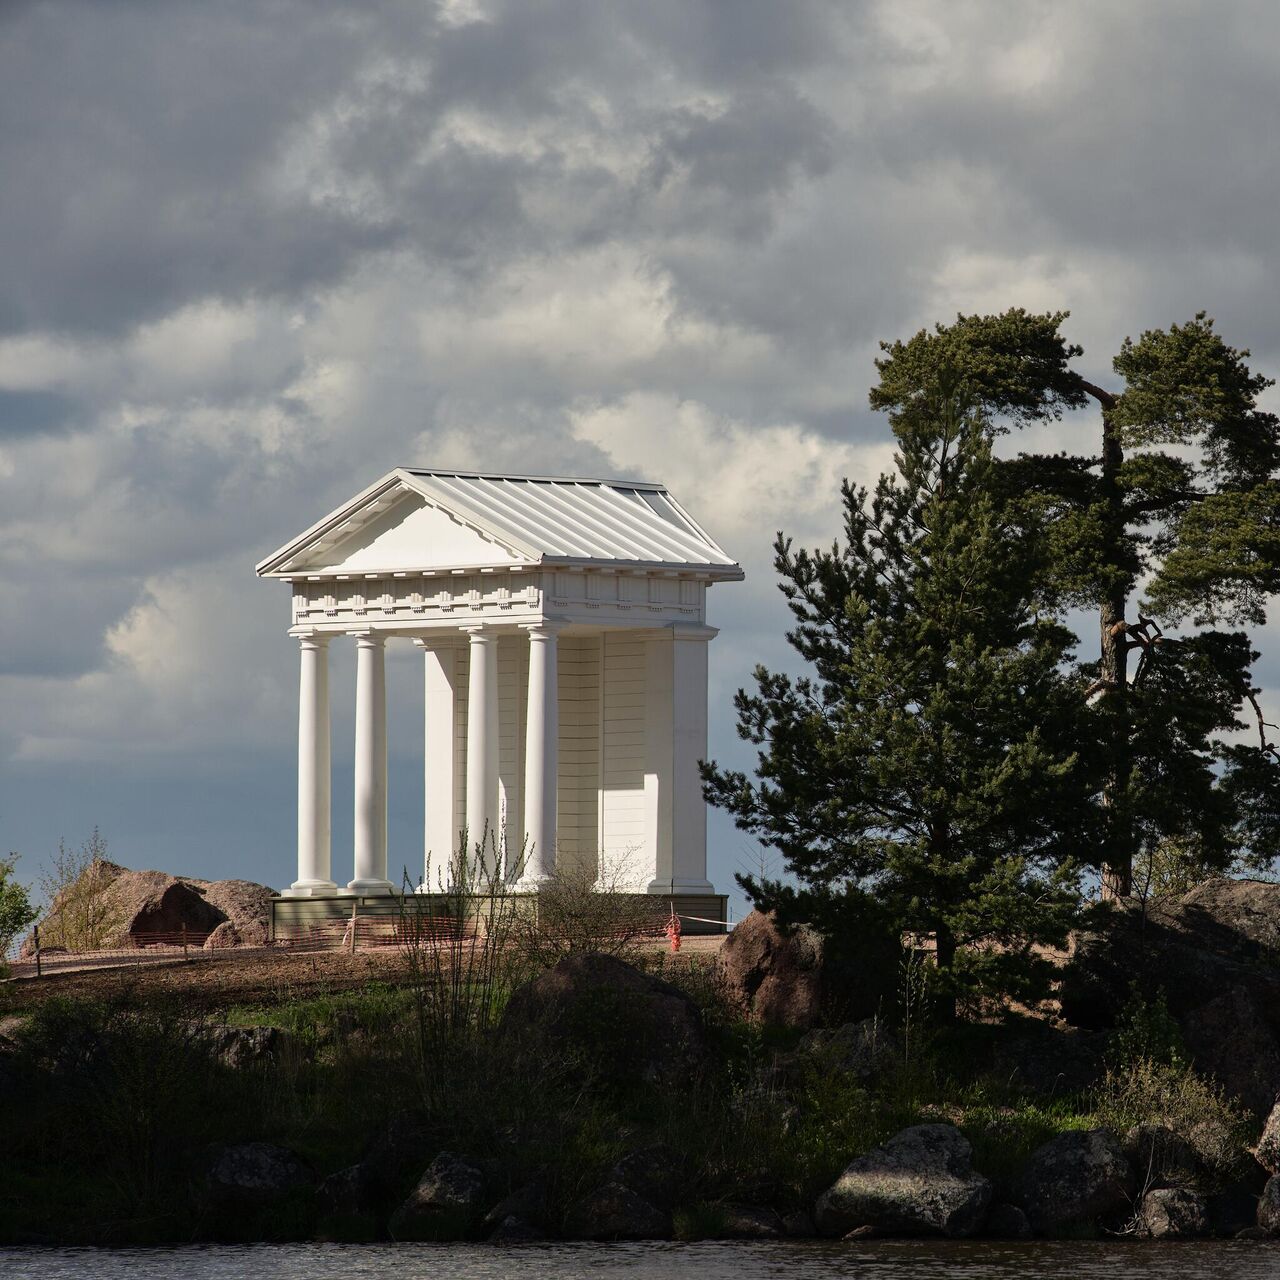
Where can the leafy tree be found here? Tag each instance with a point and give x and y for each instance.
(926, 777)
(16, 911)
(1182, 488)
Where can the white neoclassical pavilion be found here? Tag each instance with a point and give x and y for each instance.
(563, 628)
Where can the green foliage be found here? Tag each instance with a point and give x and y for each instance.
(1013, 365)
(1170, 866)
(16, 911)
(1171, 1095)
(1185, 386)
(1147, 1032)
(1195, 509)
(927, 776)
(1004, 1132)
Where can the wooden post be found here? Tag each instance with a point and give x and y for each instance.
(354, 925)
(36, 931)
(185, 956)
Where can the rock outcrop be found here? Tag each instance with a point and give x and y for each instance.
(111, 906)
(1007, 1222)
(1075, 1181)
(1172, 1213)
(251, 1176)
(796, 977)
(244, 903)
(616, 1212)
(348, 1192)
(239, 1047)
(1269, 1207)
(749, 1222)
(626, 1024)
(446, 1204)
(1267, 1152)
(518, 1217)
(1233, 1038)
(1213, 954)
(1195, 946)
(920, 1183)
(224, 936)
(775, 977)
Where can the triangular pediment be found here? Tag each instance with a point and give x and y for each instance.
(393, 529)
(415, 519)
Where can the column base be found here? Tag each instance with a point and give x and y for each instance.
(532, 884)
(371, 888)
(678, 886)
(310, 889)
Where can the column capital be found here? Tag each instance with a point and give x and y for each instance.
(312, 639)
(543, 630)
(479, 633)
(692, 631)
(446, 641)
(368, 639)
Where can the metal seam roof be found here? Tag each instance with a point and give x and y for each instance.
(578, 519)
(543, 518)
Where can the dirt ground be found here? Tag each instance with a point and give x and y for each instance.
(256, 977)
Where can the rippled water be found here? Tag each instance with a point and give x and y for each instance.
(868, 1260)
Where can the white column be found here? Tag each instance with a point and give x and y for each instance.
(371, 766)
(676, 813)
(482, 742)
(440, 784)
(541, 762)
(313, 771)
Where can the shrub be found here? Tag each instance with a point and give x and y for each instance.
(1170, 1094)
(588, 908)
(82, 915)
(1146, 1030)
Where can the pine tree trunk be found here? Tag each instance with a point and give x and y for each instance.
(1117, 859)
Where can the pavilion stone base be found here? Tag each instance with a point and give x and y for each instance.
(701, 914)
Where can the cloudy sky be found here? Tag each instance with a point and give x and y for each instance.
(257, 253)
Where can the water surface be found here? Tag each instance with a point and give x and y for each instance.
(866, 1260)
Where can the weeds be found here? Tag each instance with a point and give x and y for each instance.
(1172, 1096)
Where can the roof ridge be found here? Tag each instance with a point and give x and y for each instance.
(471, 474)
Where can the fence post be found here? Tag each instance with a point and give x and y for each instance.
(185, 956)
(36, 930)
(354, 926)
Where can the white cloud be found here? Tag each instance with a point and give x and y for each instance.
(195, 665)
(743, 481)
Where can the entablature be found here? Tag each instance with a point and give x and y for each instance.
(592, 597)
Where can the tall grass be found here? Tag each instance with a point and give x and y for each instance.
(462, 962)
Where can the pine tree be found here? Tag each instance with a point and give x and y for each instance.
(926, 776)
(1182, 490)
